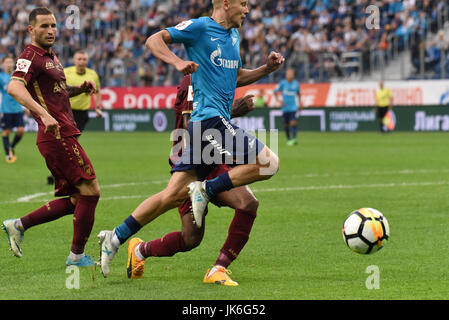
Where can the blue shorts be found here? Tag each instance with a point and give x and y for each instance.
(12, 120)
(289, 116)
(215, 141)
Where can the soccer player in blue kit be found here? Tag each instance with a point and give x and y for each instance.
(213, 49)
(12, 112)
(291, 102)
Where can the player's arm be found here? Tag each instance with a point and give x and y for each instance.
(247, 76)
(157, 44)
(88, 87)
(97, 99)
(242, 106)
(19, 92)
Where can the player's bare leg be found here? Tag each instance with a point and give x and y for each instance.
(171, 197)
(267, 164)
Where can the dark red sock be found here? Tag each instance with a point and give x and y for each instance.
(238, 235)
(166, 246)
(51, 211)
(83, 221)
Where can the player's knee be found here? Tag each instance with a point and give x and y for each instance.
(271, 167)
(191, 240)
(90, 188)
(74, 198)
(20, 131)
(249, 204)
(268, 163)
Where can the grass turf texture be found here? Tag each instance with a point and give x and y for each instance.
(295, 250)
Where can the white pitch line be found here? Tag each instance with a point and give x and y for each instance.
(287, 189)
(31, 197)
(354, 186)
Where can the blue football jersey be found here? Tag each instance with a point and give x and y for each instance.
(289, 91)
(9, 105)
(217, 52)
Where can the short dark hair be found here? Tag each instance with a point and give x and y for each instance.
(7, 57)
(80, 51)
(36, 12)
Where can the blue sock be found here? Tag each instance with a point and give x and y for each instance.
(218, 184)
(294, 130)
(128, 228)
(6, 144)
(287, 132)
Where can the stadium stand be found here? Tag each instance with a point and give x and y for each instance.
(323, 40)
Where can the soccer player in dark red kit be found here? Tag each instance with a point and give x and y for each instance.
(241, 199)
(39, 84)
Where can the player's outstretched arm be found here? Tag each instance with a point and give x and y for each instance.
(19, 92)
(157, 44)
(246, 76)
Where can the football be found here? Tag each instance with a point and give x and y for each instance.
(365, 230)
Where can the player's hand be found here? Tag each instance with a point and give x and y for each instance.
(51, 125)
(275, 60)
(242, 106)
(88, 87)
(186, 67)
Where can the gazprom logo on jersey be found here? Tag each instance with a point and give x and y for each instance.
(217, 60)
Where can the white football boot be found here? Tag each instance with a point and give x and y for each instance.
(107, 250)
(199, 200)
(15, 236)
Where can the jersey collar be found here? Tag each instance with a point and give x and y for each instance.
(40, 51)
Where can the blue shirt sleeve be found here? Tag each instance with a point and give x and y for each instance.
(187, 31)
(279, 87)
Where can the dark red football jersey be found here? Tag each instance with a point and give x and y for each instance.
(184, 100)
(44, 79)
(183, 105)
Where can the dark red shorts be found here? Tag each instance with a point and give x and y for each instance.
(68, 163)
(186, 207)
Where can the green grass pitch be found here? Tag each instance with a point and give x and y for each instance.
(295, 251)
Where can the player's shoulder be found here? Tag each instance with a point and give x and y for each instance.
(29, 53)
(91, 72)
(191, 24)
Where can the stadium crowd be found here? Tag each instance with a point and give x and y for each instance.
(113, 32)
